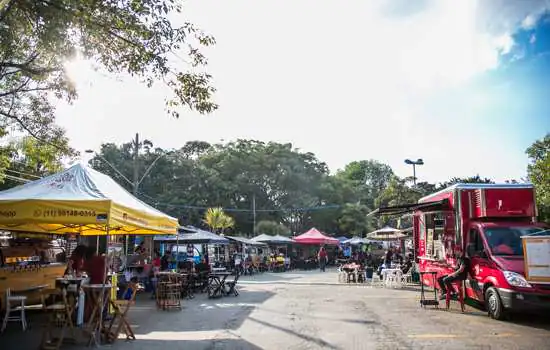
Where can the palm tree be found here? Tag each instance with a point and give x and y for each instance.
(218, 220)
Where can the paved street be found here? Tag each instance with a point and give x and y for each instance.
(311, 311)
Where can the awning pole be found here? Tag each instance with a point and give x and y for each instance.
(103, 298)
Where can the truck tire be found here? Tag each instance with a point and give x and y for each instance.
(494, 304)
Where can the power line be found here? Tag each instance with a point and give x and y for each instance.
(22, 173)
(15, 178)
(199, 208)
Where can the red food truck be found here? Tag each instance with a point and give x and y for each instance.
(486, 221)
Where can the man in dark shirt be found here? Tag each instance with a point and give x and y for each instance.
(445, 282)
(165, 261)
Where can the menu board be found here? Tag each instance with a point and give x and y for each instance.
(536, 253)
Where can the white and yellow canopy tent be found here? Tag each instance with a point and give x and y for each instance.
(82, 201)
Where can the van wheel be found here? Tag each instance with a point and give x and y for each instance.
(494, 304)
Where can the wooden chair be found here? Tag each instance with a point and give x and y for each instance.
(119, 322)
(60, 317)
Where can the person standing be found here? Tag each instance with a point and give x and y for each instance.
(322, 257)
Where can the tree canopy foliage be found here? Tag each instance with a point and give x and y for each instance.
(539, 173)
(137, 38)
(292, 190)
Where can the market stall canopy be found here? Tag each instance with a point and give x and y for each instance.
(342, 239)
(244, 240)
(189, 234)
(268, 239)
(83, 201)
(386, 234)
(356, 241)
(314, 236)
(282, 239)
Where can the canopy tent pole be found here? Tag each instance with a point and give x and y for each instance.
(177, 248)
(103, 298)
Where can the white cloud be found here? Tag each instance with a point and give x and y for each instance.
(341, 79)
(529, 22)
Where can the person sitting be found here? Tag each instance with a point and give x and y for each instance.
(165, 261)
(460, 274)
(407, 265)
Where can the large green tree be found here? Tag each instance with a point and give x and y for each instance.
(273, 228)
(539, 174)
(38, 37)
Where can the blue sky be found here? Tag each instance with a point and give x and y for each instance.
(460, 84)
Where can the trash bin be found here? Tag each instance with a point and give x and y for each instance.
(415, 277)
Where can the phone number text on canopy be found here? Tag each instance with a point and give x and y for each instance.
(64, 213)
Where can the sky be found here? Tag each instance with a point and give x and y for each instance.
(460, 84)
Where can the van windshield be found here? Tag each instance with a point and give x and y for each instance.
(507, 240)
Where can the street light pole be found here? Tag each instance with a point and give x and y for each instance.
(419, 161)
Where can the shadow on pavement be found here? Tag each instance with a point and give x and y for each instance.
(200, 322)
(323, 344)
(218, 343)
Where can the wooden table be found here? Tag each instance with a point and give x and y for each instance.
(216, 284)
(98, 295)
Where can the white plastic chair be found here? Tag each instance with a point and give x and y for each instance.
(406, 278)
(393, 279)
(14, 303)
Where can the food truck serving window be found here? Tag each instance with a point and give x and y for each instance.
(434, 225)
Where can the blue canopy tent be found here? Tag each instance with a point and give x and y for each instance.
(342, 239)
(192, 235)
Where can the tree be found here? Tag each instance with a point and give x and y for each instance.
(539, 173)
(396, 193)
(272, 228)
(369, 177)
(354, 220)
(218, 220)
(28, 159)
(465, 180)
(37, 37)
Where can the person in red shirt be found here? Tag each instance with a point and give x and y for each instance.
(76, 261)
(95, 266)
(322, 257)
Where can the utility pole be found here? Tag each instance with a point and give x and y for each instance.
(254, 214)
(136, 165)
(131, 240)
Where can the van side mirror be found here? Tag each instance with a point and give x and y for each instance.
(483, 254)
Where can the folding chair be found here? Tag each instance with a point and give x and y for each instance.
(233, 286)
(121, 308)
(60, 317)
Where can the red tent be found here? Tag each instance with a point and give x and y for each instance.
(314, 236)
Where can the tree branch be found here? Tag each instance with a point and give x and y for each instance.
(27, 129)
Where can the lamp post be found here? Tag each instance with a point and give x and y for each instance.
(414, 164)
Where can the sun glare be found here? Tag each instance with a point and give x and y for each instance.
(79, 71)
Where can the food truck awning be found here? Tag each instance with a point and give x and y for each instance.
(407, 208)
(83, 201)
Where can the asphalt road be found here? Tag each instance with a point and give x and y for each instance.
(311, 311)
